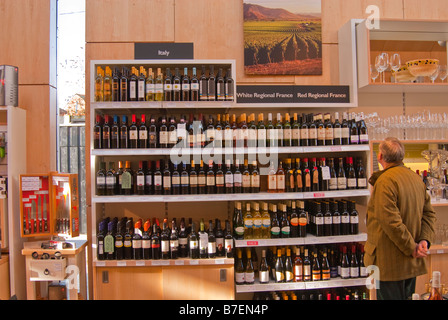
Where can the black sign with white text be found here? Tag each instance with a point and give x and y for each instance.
(163, 50)
(292, 94)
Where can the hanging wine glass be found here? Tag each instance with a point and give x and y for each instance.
(381, 65)
(395, 64)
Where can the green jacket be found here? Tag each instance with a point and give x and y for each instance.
(399, 215)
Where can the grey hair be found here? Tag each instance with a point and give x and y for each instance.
(392, 150)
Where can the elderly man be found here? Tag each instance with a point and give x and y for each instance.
(400, 224)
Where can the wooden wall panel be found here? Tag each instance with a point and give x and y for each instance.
(39, 101)
(425, 10)
(335, 13)
(133, 20)
(25, 38)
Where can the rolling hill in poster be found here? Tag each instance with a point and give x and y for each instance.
(279, 42)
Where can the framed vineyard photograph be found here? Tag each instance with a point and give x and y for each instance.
(282, 37)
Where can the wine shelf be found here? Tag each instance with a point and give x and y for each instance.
(164, 263)
(273, 286)
(231, 197)
(145, 105)
(308, 240)
(228, 151)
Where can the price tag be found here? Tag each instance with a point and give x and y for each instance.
(219, 261)
(179, 262)
(338, 148)
(140, 263)
(121, 263)
(252, 243)
(319, 194)
(100, 263)
(325, 173)
(194, 262)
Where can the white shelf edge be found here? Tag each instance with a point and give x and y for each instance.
(164, 262)
(226, 151)
(323, 284)
(230, 197)
(308, 240)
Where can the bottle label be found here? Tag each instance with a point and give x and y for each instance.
(184, 180)
(203, 241)
(296, 134)
(175, 181)
(167, 182)
(140, 181)
(157, 181)
(319, 221)
(229, 180)
(275, 231)
(354, 139)
(185, 86)
(219, 243)
(266, 223)
(289, 276)
(287, 134)
(133, 134)
(101, 181)
(239, 277)
(210, 180)
(239, 230)
(174, 244)
(362, 183)
(172, 137)
(248, 223)
(137, 244)
(345, 133)
(351, 183)
(228, 243)
(354, 272)
(295, 222)
(194, 244)
(272, 182)
(246, 181)
(168, 87)
(183, 241)
(255, 181)
(302, 221)
(336, 219)
(132, 90)
(163, 136)
(312, 133)
(238, 179)
(305, 133)
(363, 138)
(328, 220)
(298, 272)
(261, 133)
(354, 220)
(326, 274)
(193, 180)
(143, 134)
(165, 246)
(109, 244)
(333, 184)
(345, 219)
(118, 244)
(220, 180)
(195, 86)
(329, 134)
(280, 182)
(263, 276)
(307, 272)
(321, 134)
(127, 243)
(286, 230)
(342, 183)
(126, 180)
(279, 276)
(337, 133)
(211, 247)
(146, 244)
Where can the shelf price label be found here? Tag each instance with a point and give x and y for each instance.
(319, 194)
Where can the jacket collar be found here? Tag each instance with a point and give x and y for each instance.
(374, 177)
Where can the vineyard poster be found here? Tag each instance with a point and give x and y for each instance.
(282, 37)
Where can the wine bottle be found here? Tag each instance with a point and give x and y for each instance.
(165, 241)
(158, 180)
(194, 86)
(229, 178)
(141, 84)
(345, 264)
(272, 178)
(119, 237)
(158, 86)
(106, 133)
(329, 130)
(342, 179)
(279, 131)
(303, 220)
(203, 241)
(352, 182)
(168, 86)
(354, 266)
(101, 180)
(143, 133)
(211, 84)
(298, 266)
(312, 139)
(237, 178)
(354, 132)
(219, 239)
(289, 177)
(280, 177)
(133, 133)
(203, 86)
(354, 218)
(177, 85)
(328, 220)
(110, 242)
(175, 180)
(155, 243)
(325, 267)
(256, 222)
(315, 178)
(228, 240)
(174, 241)
(248, 222)
(229, 86)
(435, 293)
(115, 133)
(337, 130)
(98, 133)
(289, 269)
(275, 223)
(127, 180)
(287, 131)
(263, 269)
(239, 269)
(220, 86)
(166, 181)
(333, 181)
(140, 180)
(202, 179)
(184, 180)
(193, 242)
(279, 268)
(298, 177)
(211, 179)
(361, 175)
(124, 85)
(211, 247)
(362, 129)
(265, 221)
(193, 176)
(336, 222)
(285, 226)
(133, 85)
(320, 130)
(186, 86)
(152, 134)
(219, 179)
(150, 86)
(318, 220)
(146, 240)
(183, 240)
(100, 253)
(249, 273)
(345, 130)
(254, 178)
(124, 133)
(316, 272)
(238, 225)
(127, 241)
(306, 176)
(137, 249)
(345, 219)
